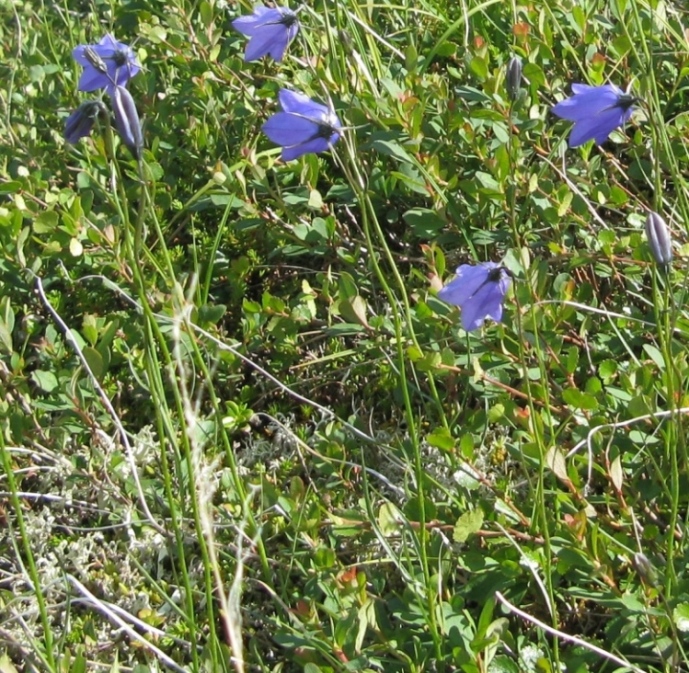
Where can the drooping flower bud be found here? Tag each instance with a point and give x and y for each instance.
(127, 119)
(659, 240)
(645, 569)
(513, 78)
(80, 123)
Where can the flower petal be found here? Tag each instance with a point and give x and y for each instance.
(292, 31)
(316, 146)
(582, 88)
(78, 55)
(246, 25)
(596, 111)
(469, 279)
(119, 60)
(270, 29)
(587, 101)
(264, 42)
(485, 303)
(597, 128)
(475, 312)
(284, 128)
(254, 23)
(479, 291)
(303, 126)
(109, 45)
(299, 103)
(91, 80)
(277, 50)
(124, 73)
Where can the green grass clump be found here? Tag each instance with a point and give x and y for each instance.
(240, 430)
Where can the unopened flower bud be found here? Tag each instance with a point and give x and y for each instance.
(345, 39)
(645, 569)
(659, 240)
(80, 123)
(127, 119)
(513, 78)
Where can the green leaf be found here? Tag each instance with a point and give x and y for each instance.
(210, 314)
(469, 523)
(6, 324)
(496, 412)
(412, 509)
(471, 94)
(572, 359)
(10, 187)
(616, 473)
(503, 664)
(410, 177)
(315, 200)
(441, 439)
(354, 310)
(534, 74)
(389, 519)
(680, 615)
(555, 460)
(89, 328)
(392, 149)
(425, 223)
(95, 361)
(607, 370)
(655, 355)
(579, 400)
(6, 666)
(46, 222)
(46, 381)
(479, 67)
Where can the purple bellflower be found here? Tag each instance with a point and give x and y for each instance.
(127, 119)
(80, 123)
(596, 112)
(479, 291)
(303, 126)
(105, 64)
(270, 30)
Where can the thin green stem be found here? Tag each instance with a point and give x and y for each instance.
(48, 641)
(542, 507)
(371, 227)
